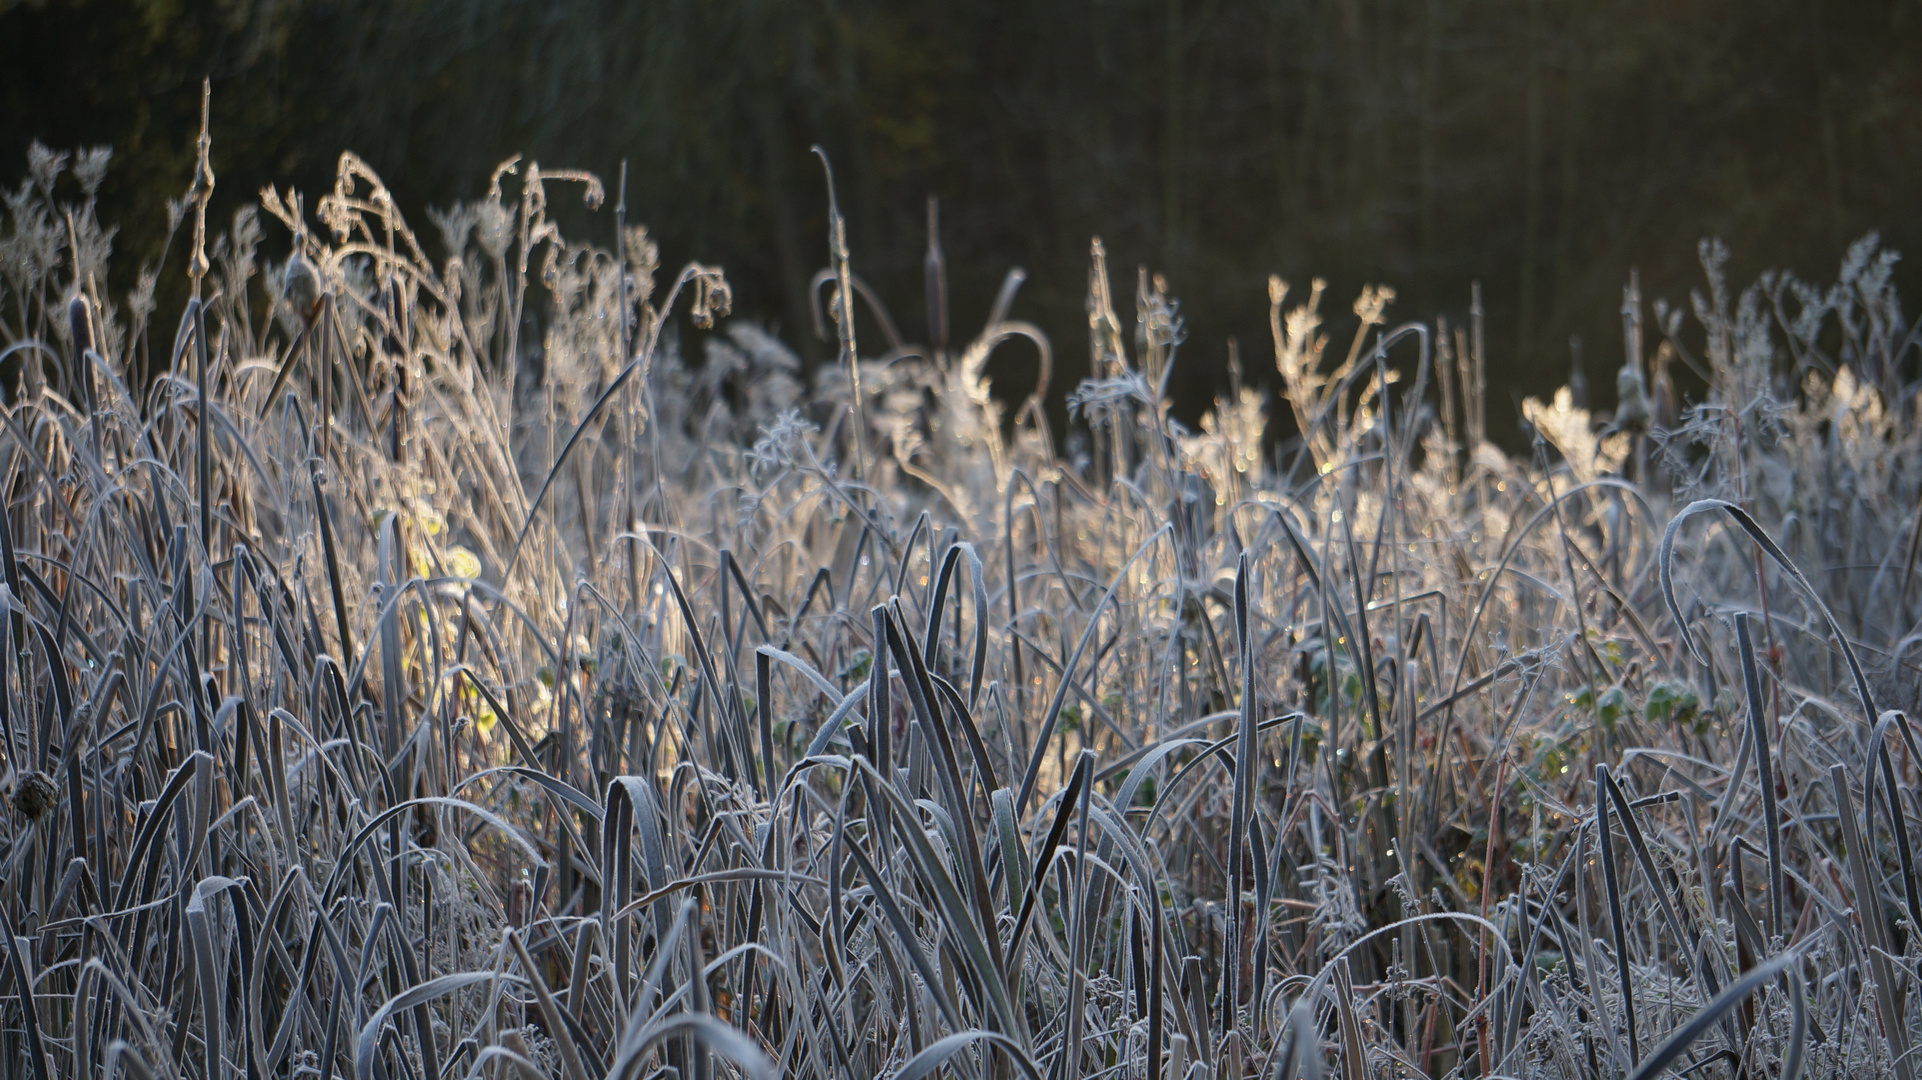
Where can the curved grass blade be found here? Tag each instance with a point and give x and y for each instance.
(1875, 930)
(1711, 1014)
(929, 1060)
(1774, 552)
(439, 986)
(1764, 766)
(717, 1035)
(29, 1009)
(557, 1028)
(1048, 719)
(1617, 920)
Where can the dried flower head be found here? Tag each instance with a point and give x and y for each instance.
(35, 794)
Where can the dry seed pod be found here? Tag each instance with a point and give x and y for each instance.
(35, 794)
(1631, 412)
(300, 286)
(80, 316)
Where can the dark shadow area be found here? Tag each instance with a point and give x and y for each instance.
(1543, 149)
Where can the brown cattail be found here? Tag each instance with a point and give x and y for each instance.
(80, 315)
(86, 340)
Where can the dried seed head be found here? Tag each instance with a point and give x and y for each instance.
(80, 316)
(86, 339)
(1632, 393)
(34, 795)
(300, 286)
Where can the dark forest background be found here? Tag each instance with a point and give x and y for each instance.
(1541, 147)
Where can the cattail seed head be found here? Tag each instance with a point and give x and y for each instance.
(80, 317)
(86, 339)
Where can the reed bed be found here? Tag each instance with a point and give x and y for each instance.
(425, 665)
